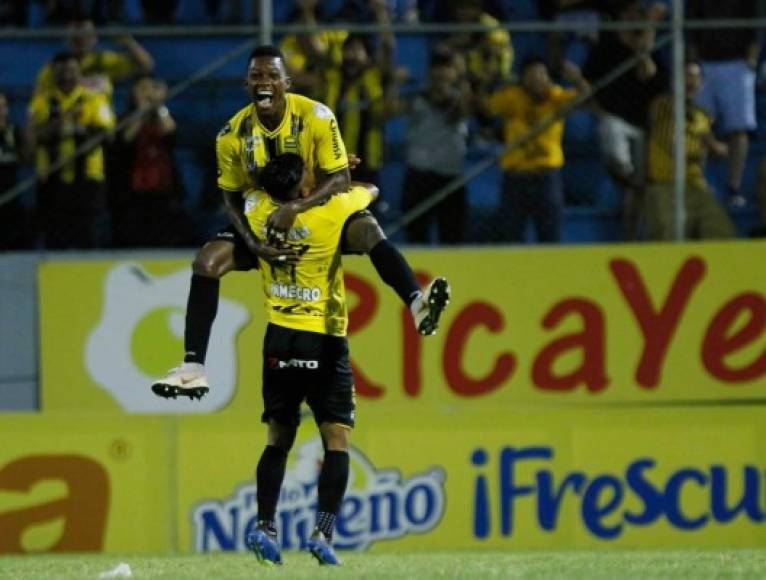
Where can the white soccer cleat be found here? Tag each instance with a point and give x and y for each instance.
(188, 380)
(429, 305)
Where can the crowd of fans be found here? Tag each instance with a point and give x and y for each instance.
(127, 191)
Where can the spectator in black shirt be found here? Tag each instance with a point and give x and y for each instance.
(729, 58)
(622, 106)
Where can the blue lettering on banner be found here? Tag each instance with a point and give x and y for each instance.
(379, 505)
(602, 496)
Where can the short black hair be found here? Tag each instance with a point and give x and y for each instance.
(64, 56)
(266, 50)
(282, 175)
(531, 61)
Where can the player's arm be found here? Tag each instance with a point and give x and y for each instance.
(283, 217)
(142, 61)
(233, 202)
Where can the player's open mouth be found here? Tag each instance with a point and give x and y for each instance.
(264, 99)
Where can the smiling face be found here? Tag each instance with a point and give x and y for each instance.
(267, 82)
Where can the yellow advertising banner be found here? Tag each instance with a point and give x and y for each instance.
(567, 326)
(86, 484)
(500, 479)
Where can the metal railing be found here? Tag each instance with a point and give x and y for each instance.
(266, 32)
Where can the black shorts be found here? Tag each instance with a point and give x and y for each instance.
(244, 259)
(300, 365)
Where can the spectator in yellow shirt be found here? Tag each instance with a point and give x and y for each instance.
(71, 200)
(705, 218)
(100, 68)
(532, 182)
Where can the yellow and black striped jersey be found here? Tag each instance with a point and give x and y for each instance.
(311, 295)
(308, 128)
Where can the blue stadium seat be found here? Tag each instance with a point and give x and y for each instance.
(412, 52)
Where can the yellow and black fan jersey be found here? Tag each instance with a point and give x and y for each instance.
(308, 128)
(311, 295)
(83, 111)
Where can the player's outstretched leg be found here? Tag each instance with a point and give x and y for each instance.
(212, 262)
(365, 235)
(262, 541)
(428, 306)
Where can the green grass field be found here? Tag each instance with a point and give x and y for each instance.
(691, 564)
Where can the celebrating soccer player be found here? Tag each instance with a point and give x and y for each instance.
(305, 351)
(279, 122)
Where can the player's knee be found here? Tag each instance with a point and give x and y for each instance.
(282, 436)
(364, 234)
(211, 262)
(334, 436)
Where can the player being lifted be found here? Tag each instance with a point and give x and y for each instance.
(305, 350)
(277, 122)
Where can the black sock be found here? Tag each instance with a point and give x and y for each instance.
(269, 475)
(333, 480)
(200, 314)
(394, 270)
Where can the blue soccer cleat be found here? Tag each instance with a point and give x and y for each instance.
(263, 543)
(322, 550)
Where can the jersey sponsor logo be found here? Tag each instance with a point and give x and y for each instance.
(293, 363)
(323, 111)
(295, 292)
(335, 139)
(380, 505)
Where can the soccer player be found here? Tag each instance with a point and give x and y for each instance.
(279, 122)
(305, 350)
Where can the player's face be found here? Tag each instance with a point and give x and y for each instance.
(267, 83)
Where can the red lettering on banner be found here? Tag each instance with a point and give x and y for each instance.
(412, 347)
(83, 510)
(474, 315)
(718, 342)
(591, 340)
(359, 317)
(657, 327)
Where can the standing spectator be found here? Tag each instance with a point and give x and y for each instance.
(623, 105)
(147, 194)
(532, 182)
(14, 228)
(100, 68)
(488, 55)
(729, 58)
(437, 131)
(306, 54)
(705, 218)
(360, 91)
(61, 118)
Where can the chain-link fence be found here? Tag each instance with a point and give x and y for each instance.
(558, 126)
